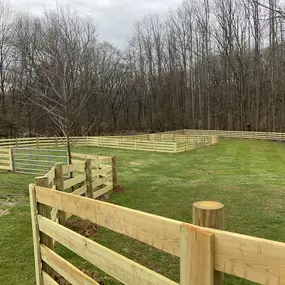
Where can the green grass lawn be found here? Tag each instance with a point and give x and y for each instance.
(247, 176)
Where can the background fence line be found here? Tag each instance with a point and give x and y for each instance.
(272, 136)
(167, 143)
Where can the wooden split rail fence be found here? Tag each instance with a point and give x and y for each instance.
(89, 175)
(6, 161)
(156, 143)
(204, 252)
(272, 136)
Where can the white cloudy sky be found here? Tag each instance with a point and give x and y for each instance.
(115, 18)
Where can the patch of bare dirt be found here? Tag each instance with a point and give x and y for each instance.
(4, 212)
(11, 201)
(119, 188)
(83, 227)
(103, 197)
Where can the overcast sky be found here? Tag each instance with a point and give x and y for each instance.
(115, 18)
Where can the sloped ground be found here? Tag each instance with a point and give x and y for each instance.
(247, 176)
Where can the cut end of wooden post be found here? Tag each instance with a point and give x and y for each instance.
(210, 214)
(208, 205)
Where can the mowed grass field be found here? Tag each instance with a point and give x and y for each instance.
(247, 176)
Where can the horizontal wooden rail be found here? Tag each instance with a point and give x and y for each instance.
(121, 268)
(238, 134)
(98, 193)
(159, 232)
(64, 268)
(47, 280)
(79, 166)
(6, 162)
(73, 181)
(254, 259)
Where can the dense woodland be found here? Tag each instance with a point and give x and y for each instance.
(216, 64)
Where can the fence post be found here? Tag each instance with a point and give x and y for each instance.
(59, 186)
(45, 211)
(88, 172)
(16, 142)
(210, 214)
(196, 256)
(36, 235)
(114, 170)
(38, 142)
(11, 164)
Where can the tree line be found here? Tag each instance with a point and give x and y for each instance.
(216, 64)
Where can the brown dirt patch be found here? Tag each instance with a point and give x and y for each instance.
(4, 212)
(83, 227)
(119, 188)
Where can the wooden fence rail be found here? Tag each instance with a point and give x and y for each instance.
(6, 161)
(201, 250)
(90, 175)
(273, 136)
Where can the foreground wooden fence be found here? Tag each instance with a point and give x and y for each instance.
(203, 252)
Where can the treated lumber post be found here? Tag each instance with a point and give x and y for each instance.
(11, 164)
(196, 256)
(45, 211)
(59, 186)
(114, 171)
(210, 214)
(38, 142)
(88, 172)
(36, 235)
